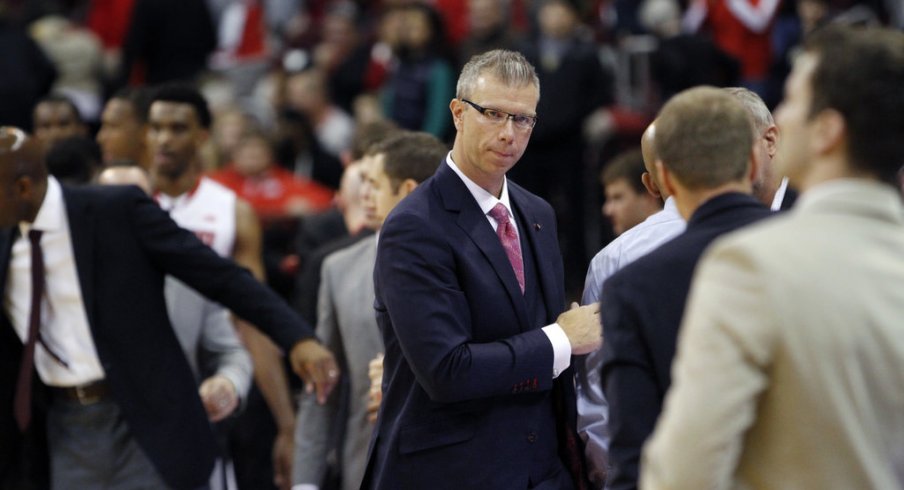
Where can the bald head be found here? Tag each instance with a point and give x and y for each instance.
(126, 175)
(23, 176)
(648, 149)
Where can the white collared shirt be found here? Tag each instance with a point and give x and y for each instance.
(561, 346)
(64, 322)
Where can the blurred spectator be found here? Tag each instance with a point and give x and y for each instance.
(307, 93)
(74, 160)
(298, 150)
(421, 84)
(574, 84)
(109, 20)
(229, 126)
(741, 28)
(78, 56)
(682, 60)
(627, 201)
(345, 55)
(271, 190)
(167, 40)
(123, 129)
(489, 23)
(55, 118)
(27, 73)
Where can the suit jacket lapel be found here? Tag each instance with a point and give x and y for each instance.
(541, 238)
(7, 237)
(457, 199)
(81, 231)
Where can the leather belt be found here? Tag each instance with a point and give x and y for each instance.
(86, 394)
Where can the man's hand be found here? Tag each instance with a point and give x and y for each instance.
(219, 397)
(581, 325)
(316, 366)
(283, 454)
(375, 396)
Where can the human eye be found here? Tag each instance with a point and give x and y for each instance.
(523, 121)
(493, 114)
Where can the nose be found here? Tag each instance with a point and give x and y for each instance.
(507, 130)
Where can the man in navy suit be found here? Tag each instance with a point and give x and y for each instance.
(704, 141)
(113, 402)
(477, 390)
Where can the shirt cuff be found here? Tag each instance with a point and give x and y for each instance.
(561, 348)
(305, 486)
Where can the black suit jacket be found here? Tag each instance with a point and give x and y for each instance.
(124, 245)
(468, 394)
(642, 306)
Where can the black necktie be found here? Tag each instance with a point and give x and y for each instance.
(22, 403)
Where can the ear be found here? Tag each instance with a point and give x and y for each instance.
(457, 108)
(650, 184)
(771, 136)
(407, 186)
(665, 178)
(24, 187)
(831, 132)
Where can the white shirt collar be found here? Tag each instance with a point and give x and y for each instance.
(484, 199)
(51, 214)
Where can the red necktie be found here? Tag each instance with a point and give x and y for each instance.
(22, 403)
(509, 239)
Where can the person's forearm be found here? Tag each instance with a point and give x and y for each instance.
(270, 376)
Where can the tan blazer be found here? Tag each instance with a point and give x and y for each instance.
(790, 364)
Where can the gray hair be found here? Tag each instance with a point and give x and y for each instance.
(759, 113)
(509, 67)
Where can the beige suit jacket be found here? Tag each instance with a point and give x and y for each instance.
(790, 365)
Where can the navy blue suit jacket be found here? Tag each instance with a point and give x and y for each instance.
(642, 306)
(124, 245)
(467, 372)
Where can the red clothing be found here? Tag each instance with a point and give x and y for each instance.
(109, 19)
(752, 49)
(277, 192)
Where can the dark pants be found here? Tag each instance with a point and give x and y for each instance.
(91, 447)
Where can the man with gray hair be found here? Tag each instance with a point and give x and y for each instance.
(769, 188)
(477, 390)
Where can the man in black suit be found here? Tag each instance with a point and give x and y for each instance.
(642, 305)
(114, 403)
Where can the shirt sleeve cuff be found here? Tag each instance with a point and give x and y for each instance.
(305, 486)
(561, 348)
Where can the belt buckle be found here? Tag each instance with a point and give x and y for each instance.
(84, 397)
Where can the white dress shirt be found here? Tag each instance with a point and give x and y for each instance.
(593, 410)
(64, 322)
(560, 345)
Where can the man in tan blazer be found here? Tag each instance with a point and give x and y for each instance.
(790, 364)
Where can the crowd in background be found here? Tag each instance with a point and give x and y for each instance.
(306, 73)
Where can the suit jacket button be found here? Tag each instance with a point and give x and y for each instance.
(531, 437)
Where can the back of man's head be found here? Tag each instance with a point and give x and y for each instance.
(860, 74)
(410, 155)
(182, 93)
(704, 138)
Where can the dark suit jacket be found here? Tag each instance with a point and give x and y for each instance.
(642, 306)
(467, 372)
(124, 245)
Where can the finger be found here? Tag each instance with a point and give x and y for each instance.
(574, 305)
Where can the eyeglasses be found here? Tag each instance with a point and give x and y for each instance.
(495, 116)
